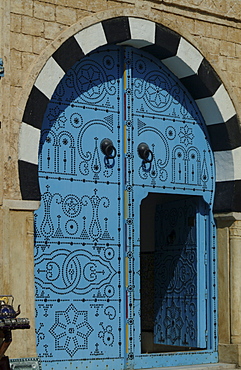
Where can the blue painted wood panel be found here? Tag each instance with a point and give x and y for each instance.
(78, 234)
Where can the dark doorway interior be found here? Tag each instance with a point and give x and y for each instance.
(147, 255)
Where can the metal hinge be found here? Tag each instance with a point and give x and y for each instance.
(1, 68)
(206, 335)
(206, 294)
(205, 258)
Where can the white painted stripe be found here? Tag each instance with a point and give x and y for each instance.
(224, 103)
(186, 62)
(228, 165)
(224, 166)
(237, 162)
(29, 143)
(142, 31)
(189, 55)
(135, 43)
(210, 111)
(91, 38)
(177, 66)
(49, 77)
(218, 108)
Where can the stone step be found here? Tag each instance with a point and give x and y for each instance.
(218, 366)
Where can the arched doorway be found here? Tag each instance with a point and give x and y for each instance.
(88, 235)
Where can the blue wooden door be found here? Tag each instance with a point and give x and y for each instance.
(94, 172)
(79, 226)
(166, 152)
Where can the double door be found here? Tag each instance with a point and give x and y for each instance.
(118, 128)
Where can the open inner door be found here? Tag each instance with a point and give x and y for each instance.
(173, 273)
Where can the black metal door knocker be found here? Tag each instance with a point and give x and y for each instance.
(109, 151)
(146, 155)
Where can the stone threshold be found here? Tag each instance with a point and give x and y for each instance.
(218, 366)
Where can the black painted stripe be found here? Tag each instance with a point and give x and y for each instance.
(203, 84)
(228, 196)
(28, 177)
(209, 77)
(225, 136)
(35, 108)
(117, 30)
(68, 54)
(195, 86)
(166, 43)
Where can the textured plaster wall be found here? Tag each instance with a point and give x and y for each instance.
(31, 31)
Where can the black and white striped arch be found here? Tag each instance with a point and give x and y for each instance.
(183, 59)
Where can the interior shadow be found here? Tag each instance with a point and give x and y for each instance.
(156, 277)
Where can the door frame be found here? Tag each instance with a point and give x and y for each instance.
(103, 33)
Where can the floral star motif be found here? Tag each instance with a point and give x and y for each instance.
(90, 79)
(186, 135)
(71, 206)
(156, 90)
(71, 330)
